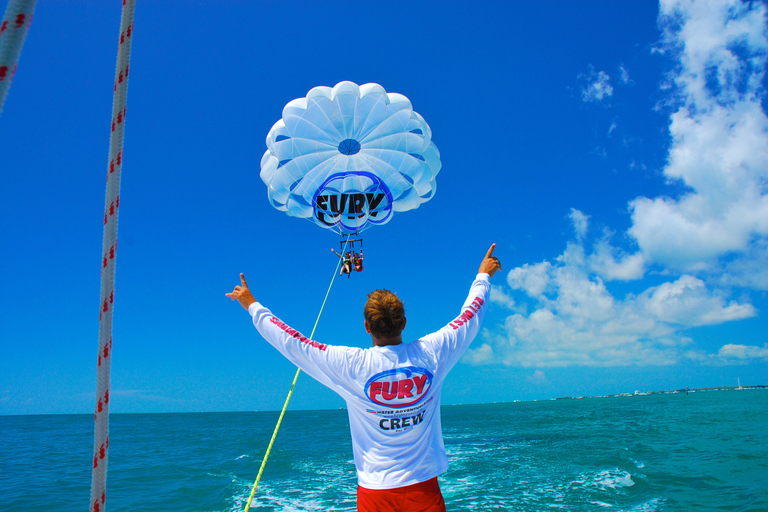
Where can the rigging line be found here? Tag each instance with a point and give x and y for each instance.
(13, 31)
(290, 392)
(109, 251)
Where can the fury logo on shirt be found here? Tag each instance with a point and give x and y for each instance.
(401, 387)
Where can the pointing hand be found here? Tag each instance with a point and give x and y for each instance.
(490, 263)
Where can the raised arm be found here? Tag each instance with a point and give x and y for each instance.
(325, 363)
(334, 252)
(490, 263)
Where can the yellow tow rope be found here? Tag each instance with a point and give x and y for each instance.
(288, 398)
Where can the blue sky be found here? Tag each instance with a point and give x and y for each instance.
(616, 152)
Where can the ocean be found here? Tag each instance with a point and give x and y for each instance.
(661, 452)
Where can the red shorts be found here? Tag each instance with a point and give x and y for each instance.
(421, 497)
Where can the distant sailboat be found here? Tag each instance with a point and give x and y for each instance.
(739, 381)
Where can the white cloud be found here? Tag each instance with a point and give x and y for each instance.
(628, 267)
(481, 355)
(577, 321)
(715, 233)
(533, 279)
(597, 87)
(686, 302)
(499, 296)
(580, 222)
(624, 75)
(719, 149)
(743, 352)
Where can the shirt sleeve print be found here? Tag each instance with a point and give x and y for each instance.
(324, 363)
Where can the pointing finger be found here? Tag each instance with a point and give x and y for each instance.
(242, 280)
(490, 251)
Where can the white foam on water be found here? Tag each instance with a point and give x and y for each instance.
(296, 495)
(540, 491)
(281, 496)
(613, 479)
(326, 470)
(648, 506)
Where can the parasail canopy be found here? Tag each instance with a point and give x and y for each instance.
(349, 157)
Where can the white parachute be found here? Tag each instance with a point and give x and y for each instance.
(349, 157)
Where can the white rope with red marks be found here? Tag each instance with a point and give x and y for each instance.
(109, 249)
(13, 31)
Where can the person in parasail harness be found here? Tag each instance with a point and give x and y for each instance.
(358, 261)
(346, 262)
(392, 390)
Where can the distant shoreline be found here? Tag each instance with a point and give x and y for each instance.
(663, 392)
(636, 393)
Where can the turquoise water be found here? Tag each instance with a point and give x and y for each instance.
(697, 452)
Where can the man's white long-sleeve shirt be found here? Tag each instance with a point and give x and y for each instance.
(392, 392)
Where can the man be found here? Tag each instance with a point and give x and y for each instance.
(392, 390)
